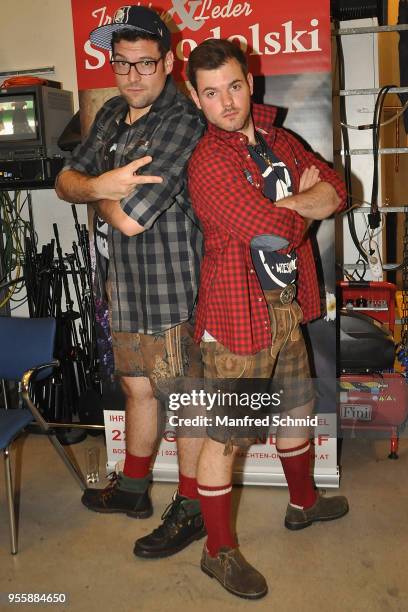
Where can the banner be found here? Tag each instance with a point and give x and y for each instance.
(278, 37)
(258, 465)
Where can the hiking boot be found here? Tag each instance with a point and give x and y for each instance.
(234, 573)
(117, 497)
(182, 524)
(324, 509)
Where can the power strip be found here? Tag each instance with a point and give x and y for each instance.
(374, 261)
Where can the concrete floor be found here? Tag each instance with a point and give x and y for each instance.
(355, 564)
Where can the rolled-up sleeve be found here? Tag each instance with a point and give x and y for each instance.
(84, 157)
(326, 173)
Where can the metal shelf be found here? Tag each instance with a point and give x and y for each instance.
(383, 151)
(362, 308)
(370, 30)
(367, 92)
(382, 209)
(29, 71)
(387, 267)
(394, 151)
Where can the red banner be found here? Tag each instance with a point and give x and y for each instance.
(286, 37)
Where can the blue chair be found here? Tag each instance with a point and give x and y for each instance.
(26, 355)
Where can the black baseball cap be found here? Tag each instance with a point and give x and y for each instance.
(138, 18)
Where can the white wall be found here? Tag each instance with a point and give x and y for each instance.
(39, 33)
(35, 34)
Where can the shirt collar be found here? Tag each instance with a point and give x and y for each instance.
(166, 98)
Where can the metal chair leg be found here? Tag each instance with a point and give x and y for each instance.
(10, 501)
(45, 427)
(74, 470)
(5, 396)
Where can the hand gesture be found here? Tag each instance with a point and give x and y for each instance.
(122, 182)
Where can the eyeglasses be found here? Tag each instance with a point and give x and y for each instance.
(144, 67)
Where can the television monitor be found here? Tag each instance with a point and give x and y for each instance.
(31, 120)
(17, 118)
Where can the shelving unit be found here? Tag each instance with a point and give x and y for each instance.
(363, 150)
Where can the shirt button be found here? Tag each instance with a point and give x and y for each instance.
(248, 156)
(252, 271)
(266, 323)
(260, 299)
(257, 185)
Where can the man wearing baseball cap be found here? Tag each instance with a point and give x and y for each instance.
(131, 168)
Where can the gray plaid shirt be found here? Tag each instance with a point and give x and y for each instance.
(154, 275)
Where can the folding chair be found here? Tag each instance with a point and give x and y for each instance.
(26, 355)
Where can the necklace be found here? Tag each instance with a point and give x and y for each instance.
(281, 176)
(261, 149)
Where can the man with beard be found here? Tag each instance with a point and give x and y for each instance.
(255, 190)
(154, 246)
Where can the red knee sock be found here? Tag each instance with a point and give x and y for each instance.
(187, 486)
(136, 467)
(215, 505)
(296, 465)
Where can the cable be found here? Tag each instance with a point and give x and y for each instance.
(22, 81)
(374, 215)
(371, 234)
(360, 275)
(14, 229)
(11, 291)
(346, 146)
(369, 126)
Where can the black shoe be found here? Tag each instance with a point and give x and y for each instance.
(182, 524)
(113, 499)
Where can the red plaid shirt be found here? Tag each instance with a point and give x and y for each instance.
(232, 211)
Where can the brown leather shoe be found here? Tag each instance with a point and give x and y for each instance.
(324, 509)
(233, 571)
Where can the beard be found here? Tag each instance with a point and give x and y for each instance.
(140, 100)
(237, 123)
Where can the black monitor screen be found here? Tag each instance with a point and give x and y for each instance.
(18, 119)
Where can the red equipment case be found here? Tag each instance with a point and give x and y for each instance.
(379, 401)
(374, 292)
